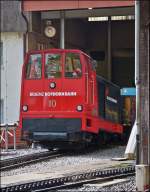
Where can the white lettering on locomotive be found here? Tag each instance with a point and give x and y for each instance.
(111, 99)
(37, 94)
(66, 93)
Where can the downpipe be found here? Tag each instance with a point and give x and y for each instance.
(27, 28)
(137, 78)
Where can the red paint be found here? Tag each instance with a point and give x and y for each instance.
(76, 4)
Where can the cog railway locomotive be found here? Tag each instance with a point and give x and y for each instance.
(64, 103)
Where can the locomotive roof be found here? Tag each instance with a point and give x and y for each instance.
(59, 50)
(102, 79)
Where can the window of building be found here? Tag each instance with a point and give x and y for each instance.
(34, 67)
(73, 68)
(120, 18)
(1, 111)
(53, 66)
(98, 55)
(1, 53)
(113, 18)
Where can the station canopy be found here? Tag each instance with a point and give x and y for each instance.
(36, 5)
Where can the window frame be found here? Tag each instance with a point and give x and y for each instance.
(60, 66)
(27, 64)
(1, 111)
(1, 53)
(73, 77)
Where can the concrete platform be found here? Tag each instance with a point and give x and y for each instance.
(60, 172)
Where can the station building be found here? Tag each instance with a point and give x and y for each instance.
(102, 29)
(11, 50)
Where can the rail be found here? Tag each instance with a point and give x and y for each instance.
(13, 163)
(61, 182)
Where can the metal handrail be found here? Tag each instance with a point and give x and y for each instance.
(5, 132)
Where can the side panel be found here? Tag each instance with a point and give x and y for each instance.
(109, 100)
(112, 103)
(101, 99)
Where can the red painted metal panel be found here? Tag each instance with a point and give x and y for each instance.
(101, 4)
(35, 5)
(49, 5)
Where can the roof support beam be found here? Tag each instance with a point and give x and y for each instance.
(89, 13)
(62, 29)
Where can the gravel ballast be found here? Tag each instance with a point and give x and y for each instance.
(20, 152)
(60, 163)
(70, 163)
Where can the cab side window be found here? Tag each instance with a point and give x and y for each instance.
(34, 67)
(73, 68)
(53, 67)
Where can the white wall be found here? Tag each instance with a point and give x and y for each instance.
(11, 68)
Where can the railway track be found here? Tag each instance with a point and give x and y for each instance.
(24, 160)
(73, 180)
(102, 180)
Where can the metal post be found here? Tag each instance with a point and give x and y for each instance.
(33, 146)
(6, 137)
(137, 78)
(109, 48)
(148, 97)
(62, 29)
(6, 103)
(14, 133)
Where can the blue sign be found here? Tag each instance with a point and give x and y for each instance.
(128, 91)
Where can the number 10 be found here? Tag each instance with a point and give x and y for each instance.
(52, 103)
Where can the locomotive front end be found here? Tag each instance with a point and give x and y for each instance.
(53, 98)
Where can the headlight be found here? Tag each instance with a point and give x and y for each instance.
(25, 108)
(79, 108)
(52, 85)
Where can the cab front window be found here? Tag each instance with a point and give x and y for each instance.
(73, 67)
(34, 67)
(53, 67)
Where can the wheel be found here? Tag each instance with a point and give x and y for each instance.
(100, 139)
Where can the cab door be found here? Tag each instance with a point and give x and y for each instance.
(53, 67)
(32, 86)
(89, 83)
(73, 85)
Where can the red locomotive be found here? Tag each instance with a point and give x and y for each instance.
(64, 102)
